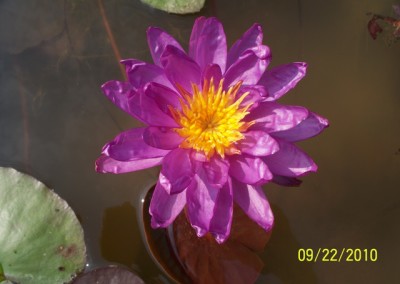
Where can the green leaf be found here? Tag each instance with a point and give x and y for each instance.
(2, 277)
(41, 239)
(176, 6)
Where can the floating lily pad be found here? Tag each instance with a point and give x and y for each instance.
(109, 275)
(235, 261)
(177, 6)
(41, 240)
(158, 245)
(186, 258)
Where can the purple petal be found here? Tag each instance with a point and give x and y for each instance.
(163, 97)
(256, 95)
(158, 40)
(311, 126)
(250, 39)
(272, 117)
(165, 207)
(217, 171)
(249, 170)
(208, 43)
(279, 80)
(248, 68)
(129, 146)
(221, 222)
(258, 143)
(105, 164)
(139, 73)
(201, 198)
(180, 68)
(290, 161)
(119, 93)
(286, 181)
(212, 71)
(146, 108)
(254, 202)
(177, 170)
(162, 137)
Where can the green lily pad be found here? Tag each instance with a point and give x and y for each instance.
(41, 239)
(177, 6)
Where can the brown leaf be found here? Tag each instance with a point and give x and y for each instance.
(234, 261)
(373, 28)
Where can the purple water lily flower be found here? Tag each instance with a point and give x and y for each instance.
(214, 126)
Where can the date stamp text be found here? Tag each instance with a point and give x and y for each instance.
(337, 255)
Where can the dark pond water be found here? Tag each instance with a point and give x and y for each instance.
(54, 55)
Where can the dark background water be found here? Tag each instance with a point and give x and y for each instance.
(54, 55)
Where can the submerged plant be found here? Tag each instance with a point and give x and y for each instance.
(377, 22)
(214, 126)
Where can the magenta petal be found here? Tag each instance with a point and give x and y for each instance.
(250, 39)
(165, 207)
(212, 71)
(256, 95)
(290, 161)
(271, 117)
(178, 170)
(146, 109)
(180, 68)
(208, 43)
(105, 164)
(118, 93)
(311, 126)
(201, 198)
(217, 171)
(158, 39)
(129, 146)
(254, 202)
(220, 226)
(162, 137)
(248, 68)
(139, 73)
(286, 181)
(249, 170)
(163, 97)
(279, 80)
(258, 143)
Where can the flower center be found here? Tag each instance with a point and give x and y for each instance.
(211, 119)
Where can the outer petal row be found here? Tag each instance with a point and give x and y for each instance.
(106, 164)
(208, 43)
(272, 117)
(158, 40)
(129, 146)
(252, 38)
(279, 80)
(311, 126)
(290, 161)
(254, 202)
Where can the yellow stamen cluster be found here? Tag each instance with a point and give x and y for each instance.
(210, 119)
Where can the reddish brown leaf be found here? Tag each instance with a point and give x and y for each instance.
(234, 261)
(373, 28)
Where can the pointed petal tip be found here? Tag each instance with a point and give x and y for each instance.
(199, 231)
(155, 224)
(220, 239)
(98, 165)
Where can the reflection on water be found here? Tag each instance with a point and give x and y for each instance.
(118, 233)
(54, 55)
(279, 265)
